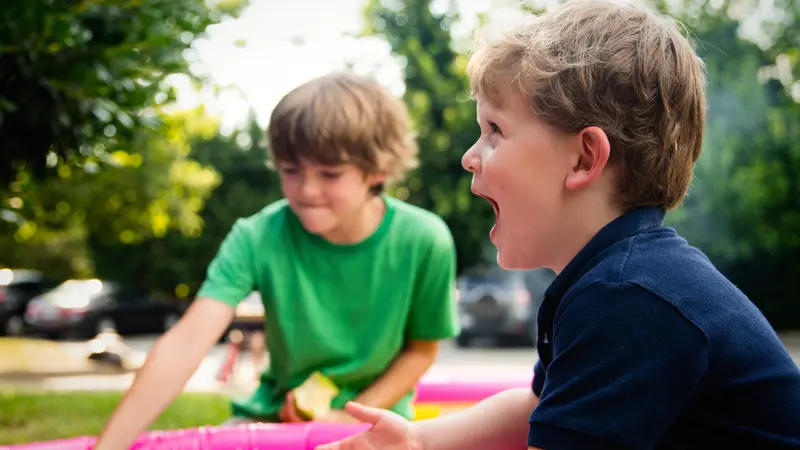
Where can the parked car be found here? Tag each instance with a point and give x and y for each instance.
(500, 304)
(17, 288)
(88, 307)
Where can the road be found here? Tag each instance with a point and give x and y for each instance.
(482, 363)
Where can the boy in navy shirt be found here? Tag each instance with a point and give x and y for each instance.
(592, 118)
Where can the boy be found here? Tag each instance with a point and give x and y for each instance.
(356, 284)
(592, 118)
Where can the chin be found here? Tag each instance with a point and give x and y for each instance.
(510, 260)
(507, 264)
(319, 228)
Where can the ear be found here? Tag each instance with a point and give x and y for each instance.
(375, 179)
(591, 159)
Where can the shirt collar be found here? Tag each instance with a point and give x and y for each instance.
(627, 225)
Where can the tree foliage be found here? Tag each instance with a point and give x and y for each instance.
(142, 193)
(177, 263)
(76, 76)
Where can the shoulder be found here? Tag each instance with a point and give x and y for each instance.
(419, 226)
(624, 301)
(659, 260)
(266, 216)
(269, 219)
(664, 265)
(626, 310)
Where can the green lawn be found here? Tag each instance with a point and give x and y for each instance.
(29, 417)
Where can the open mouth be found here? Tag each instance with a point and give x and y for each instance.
(493, 203)
(496, 207)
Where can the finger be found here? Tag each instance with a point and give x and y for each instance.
(285, 414)
(364, 413)
(291, 409)
(344, 444)
(282, 414)
(331, 446)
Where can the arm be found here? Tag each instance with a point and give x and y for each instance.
(402, 375)
(176, 356)
(169, 365)
(499, 423)
(431, 318)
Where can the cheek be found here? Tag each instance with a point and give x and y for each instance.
(341, 193)
(525, 180)
(288, 185)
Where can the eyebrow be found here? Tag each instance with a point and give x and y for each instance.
(496, 116)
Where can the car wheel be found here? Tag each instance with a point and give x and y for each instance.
(463, 340)
(14, 326)
(169, 321)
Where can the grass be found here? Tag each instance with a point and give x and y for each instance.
(31, 417)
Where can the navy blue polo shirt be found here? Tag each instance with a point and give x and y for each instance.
(643, 344)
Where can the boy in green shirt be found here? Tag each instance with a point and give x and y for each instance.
(357, 285)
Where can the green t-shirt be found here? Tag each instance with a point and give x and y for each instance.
(344, 310)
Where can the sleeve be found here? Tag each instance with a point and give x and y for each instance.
(625, 363)
(230, 277)
(433, 314)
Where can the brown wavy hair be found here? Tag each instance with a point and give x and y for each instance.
(344, 118)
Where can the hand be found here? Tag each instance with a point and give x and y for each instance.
(389, 431)
(288, 412)
(337, 416)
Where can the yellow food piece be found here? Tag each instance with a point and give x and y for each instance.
(313, 398)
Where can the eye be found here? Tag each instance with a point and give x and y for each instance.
(494, 128)
(289, 170)
(331, 175)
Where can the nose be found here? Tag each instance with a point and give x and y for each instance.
(310, 187)
(471, 161)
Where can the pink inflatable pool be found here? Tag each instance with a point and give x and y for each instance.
(431, 390)
(446, 389)
(245, 437)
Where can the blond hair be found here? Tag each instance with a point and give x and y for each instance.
(344, 118)
(616, 66)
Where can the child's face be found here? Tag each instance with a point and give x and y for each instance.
(519, 164)
(326, 198)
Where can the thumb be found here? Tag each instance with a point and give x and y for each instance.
(364, 413)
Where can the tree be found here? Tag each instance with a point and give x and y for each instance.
(76, 76)
(140, 194)
(176, 263)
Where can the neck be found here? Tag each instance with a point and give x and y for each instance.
(361, 225)
(582, 231)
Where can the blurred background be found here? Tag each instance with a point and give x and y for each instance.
(132, 137)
